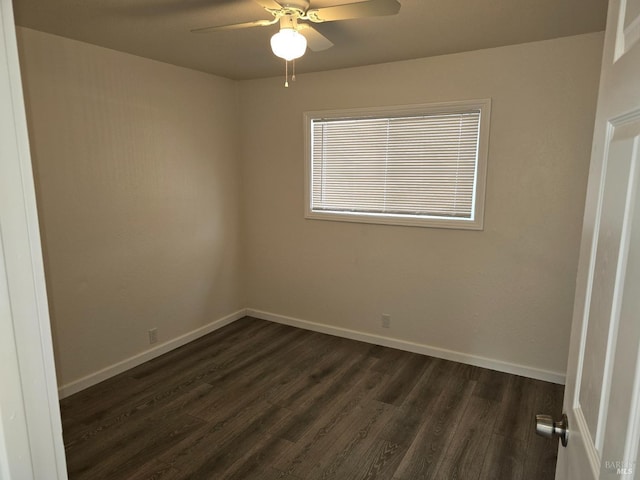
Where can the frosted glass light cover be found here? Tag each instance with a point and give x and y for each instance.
(288, 44)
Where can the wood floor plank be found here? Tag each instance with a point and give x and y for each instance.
(403, 380)
(355, 413)
(218, 340)
(380, 462)
(504, 459)
(342, 460)
(435, 433)
(261, 401)
(320, 377)
(162, 408)
(465, 454)
(155, 470)
(227, 340)
(541, 458)
(128, 449)
(417, 408)
(379, 447)
(275, 474)
(212, 450)
(265, 452)
(256, 357)
(517, 405)
(243, 387)
(387, 359)
(492, 385)
(113, 400)
(329, 394)
(461, 370)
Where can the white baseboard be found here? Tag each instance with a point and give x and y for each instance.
(478, 361)
(124, 365)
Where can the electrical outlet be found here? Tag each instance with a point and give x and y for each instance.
(386, 320)
(153, 336)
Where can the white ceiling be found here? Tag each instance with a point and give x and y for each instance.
(159, 29)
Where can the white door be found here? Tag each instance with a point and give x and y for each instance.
(602, 393)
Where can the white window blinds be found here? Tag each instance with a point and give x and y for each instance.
(414, 165)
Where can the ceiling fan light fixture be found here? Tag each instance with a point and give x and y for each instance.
(288, 44)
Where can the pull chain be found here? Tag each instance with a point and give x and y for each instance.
(286, 73)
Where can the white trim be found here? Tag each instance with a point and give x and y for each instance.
(625, 37)
(26, 316)
(131, 362)
(595, 237)
(590, 449)
(618, 290)
(632, 441)
(478, 361)
(14, 437)
(396, 219)
(619, 44)
(461, 357)
(631, 32)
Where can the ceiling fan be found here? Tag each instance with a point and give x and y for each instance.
(293, 38)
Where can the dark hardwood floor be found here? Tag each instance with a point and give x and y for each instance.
(261, 401)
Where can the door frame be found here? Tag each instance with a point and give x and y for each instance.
(31, 445)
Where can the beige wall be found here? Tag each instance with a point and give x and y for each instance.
(505, 293)
(171, 198)
(137, 181)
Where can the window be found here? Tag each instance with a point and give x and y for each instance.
(421, 165)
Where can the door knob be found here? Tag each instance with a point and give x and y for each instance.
(546, 427)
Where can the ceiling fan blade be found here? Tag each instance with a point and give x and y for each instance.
(371, 8)
(315, 40)
(269, 4)
(235, 26)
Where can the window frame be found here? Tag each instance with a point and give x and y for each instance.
(474, 223)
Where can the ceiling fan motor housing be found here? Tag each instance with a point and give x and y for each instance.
(295, 7)
(289, 21)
